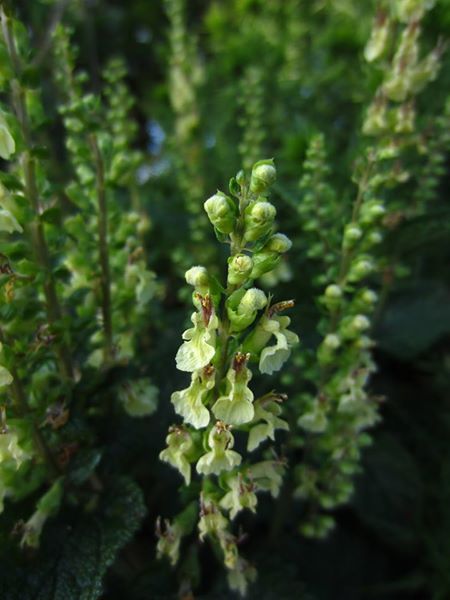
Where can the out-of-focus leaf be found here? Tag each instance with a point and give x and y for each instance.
(415, 320)
(389, 494)
(73, 560)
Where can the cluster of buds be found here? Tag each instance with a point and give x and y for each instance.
(186, 75)
(234, 327)
(319, 211)
(252, 102)
(117, 291)
(338, 416)
(335, 420)
(392, 109)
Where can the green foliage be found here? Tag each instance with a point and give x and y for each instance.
(76, 557)
(118, 122)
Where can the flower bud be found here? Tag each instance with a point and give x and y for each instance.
(372, 212)
(242, 307)
(198, 278)
(263, 262)
(374, 238)
(352, 234)
(253, 299)
(333, 292)
(221, 212)
(378, 40)
(278, 243)
(360, 323)
(376, 121)
(425, 71)
(396, 87)
(404, 117)
(408, 10)
(360, 268)
(333, 296)
(326, 350)
(369, 297)
(258, 220)
(353, 327)
(263, 175)
(240, 177)
(332, 341)
(239, 268)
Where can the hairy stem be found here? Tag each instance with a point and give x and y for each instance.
(105, 279)
(38, 239)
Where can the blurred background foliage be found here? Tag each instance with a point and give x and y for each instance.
(239, 80)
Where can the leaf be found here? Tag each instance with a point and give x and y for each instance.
(51, 215)
(390, 492)
(84, 464)
(415, 320)
(73, 561)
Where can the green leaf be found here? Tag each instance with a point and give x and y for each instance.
(51, 215)
(84, 464)
(415, 320)
(74, 559)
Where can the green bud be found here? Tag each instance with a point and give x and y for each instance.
(360, 269)
(333, 292)
(376, 121)
(198, 278)
(369, 297)
(360, 323)
(374, 238)
(242, 307)
(263, 262)
(278, 243)
(253, 299)
(372, 212)
(378, 39)
(408, 10)
(240, 177)
(239, 268)
(333, 296)
(326, 350)
(353, 327)
(352, 234)
(258, 220)
(221, 212)
(263, 176)
(396, 88)
(332, 341)
(404, 118)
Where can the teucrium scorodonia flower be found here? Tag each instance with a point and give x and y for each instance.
(233, 326)
(189, 403)
(199, 347)
(235, 407)
(220, 457)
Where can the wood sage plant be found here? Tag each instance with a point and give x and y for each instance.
(236, 329)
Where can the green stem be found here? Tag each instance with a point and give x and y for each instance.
(236, 240)
(38, 239)
(105, 279)
(347, 255)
